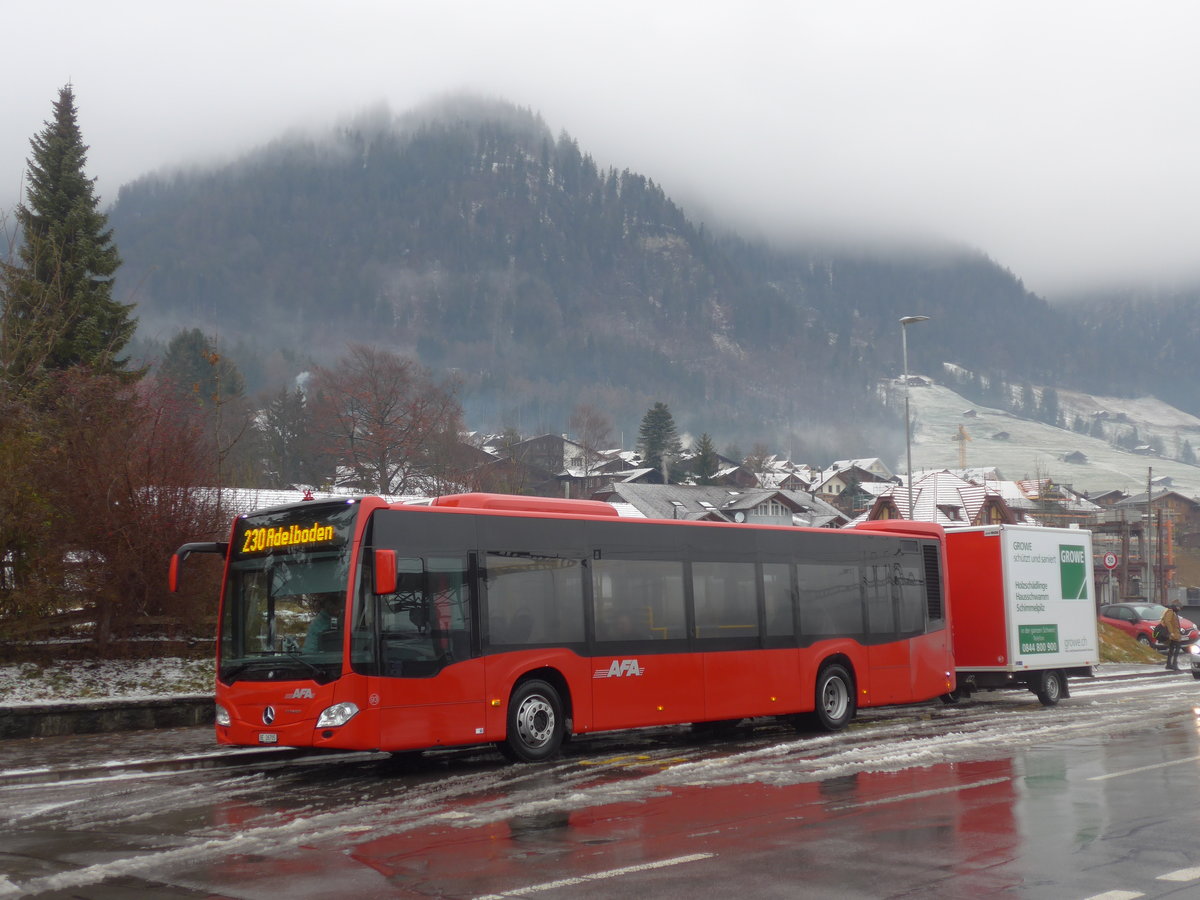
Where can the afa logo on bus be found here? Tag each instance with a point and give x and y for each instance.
(621, 668)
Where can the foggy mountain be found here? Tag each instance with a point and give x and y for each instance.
(473, 239)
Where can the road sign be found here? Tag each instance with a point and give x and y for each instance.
(1110, 560)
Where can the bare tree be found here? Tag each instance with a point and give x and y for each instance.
(382, 419)
(593, 430)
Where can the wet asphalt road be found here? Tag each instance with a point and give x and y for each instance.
(995, 797)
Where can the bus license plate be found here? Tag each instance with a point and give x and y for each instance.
(268, 738)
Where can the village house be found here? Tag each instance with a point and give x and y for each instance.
(699, 503)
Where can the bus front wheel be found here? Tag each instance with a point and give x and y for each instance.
(835, 698)
(536, 723)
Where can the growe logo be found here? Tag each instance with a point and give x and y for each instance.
(620, 668)
(300, 694)
(1073, 563)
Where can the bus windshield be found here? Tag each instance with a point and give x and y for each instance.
(283, 608)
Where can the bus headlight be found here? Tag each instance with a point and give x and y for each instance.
(338, 714)
(222, 715)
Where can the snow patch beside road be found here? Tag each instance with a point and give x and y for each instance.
(27, 684)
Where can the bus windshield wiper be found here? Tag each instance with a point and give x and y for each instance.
(319, 676)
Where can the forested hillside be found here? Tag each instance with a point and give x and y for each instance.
(474, 239)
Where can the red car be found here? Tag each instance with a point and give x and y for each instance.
(1139, 619)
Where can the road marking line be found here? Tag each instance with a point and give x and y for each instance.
(1116, 895)
(900, 798)
(1174, 762)
(597, 876)
(1181, 875)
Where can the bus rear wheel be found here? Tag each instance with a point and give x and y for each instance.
(835, 698)
(536, 724)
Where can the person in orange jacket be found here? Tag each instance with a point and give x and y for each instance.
(1170, 621)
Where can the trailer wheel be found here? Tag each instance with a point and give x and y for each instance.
(835, 698)
(535, 723)
(1053, 687)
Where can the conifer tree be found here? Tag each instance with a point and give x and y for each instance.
(658, 438)
(194, 368)
(60, 311)
(706, 463)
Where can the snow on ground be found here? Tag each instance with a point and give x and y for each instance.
(1033, 449)
(123, 679)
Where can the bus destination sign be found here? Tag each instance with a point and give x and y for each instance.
(259, 540)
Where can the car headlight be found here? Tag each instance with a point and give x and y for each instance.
(1193, 649)
(222, 715)
(338, 714)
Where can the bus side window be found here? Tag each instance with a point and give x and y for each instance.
(911, 579)
(725, 598)
(534, 598)
(830, 600)
(777, 595)
(644, 595)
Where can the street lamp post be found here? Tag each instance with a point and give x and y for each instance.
(904, 323)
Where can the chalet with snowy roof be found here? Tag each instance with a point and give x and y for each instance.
(736, 477)
(947, 499)
(1108, 498)
(787, 481)
(843, 486)
(872, 464)
(699, 503)
(1050, 503)
(552, 452)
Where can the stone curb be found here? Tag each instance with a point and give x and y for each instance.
(100, 716)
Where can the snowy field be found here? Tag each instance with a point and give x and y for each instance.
(1034, 450)
(30, 683)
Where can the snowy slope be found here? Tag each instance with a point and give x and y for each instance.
(1035, 450)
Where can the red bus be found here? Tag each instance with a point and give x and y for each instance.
(518, 620)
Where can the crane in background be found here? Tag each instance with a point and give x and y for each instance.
(961, 439)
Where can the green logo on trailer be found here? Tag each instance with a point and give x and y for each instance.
(1072, 566)
(1037, 639)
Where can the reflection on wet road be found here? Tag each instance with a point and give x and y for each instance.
(992, 797)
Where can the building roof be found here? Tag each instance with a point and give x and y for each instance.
(696, 502)
(941, 497)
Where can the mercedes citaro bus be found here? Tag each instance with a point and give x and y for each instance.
(486, 618)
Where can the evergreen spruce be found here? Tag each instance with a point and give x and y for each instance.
(706, 463)
(194, 368)
(658, 438)
(62, 312)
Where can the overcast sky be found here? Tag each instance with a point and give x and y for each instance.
(1060, 138)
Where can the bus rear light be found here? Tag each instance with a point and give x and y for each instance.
(338, 714)
(222, 715)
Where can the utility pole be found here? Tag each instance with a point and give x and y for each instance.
(1148, 541)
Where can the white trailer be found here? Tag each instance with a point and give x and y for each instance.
(1023, 608)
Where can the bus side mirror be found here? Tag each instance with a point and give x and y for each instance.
(221, 547)
(385, 572)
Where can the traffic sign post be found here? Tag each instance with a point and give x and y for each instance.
(1110, 562)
